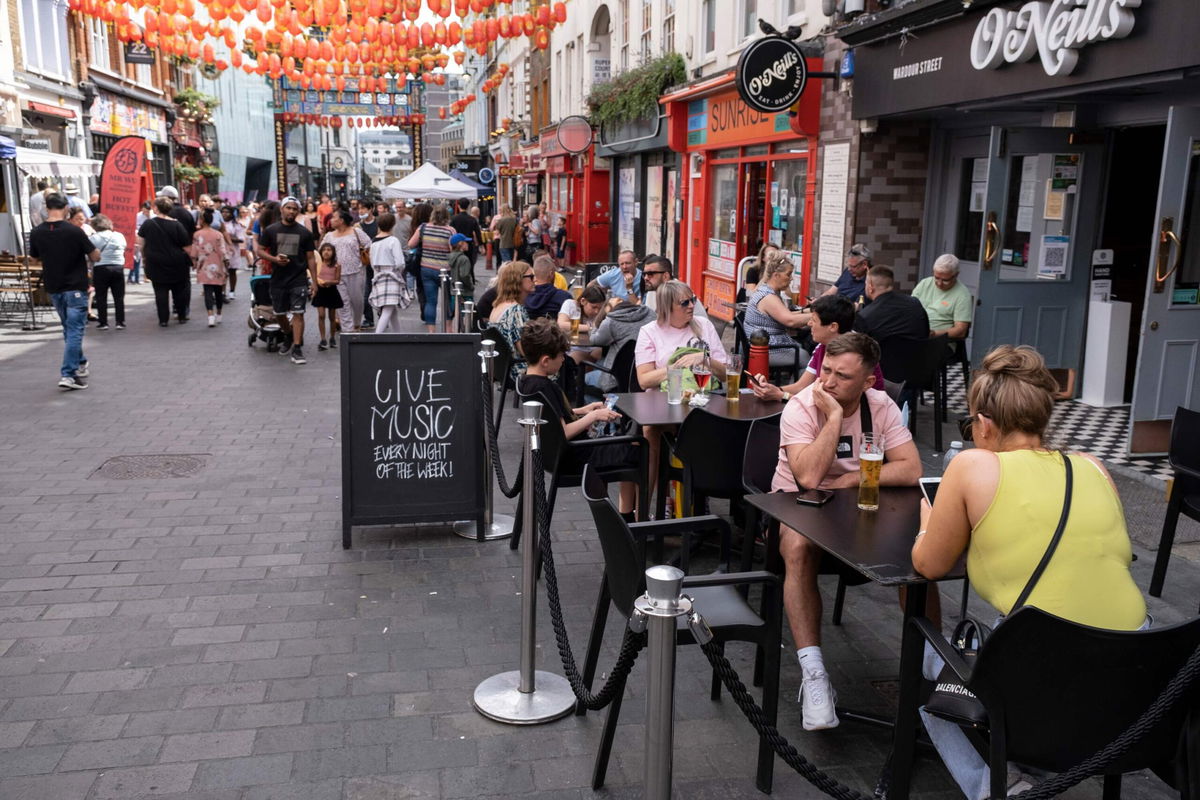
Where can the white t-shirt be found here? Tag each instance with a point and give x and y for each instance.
(656, 343)
(387, 252)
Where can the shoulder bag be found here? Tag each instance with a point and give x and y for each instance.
(412, 260)
(951, 699)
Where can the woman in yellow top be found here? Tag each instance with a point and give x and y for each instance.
(1000, 502)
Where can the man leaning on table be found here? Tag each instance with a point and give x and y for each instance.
(819, 437)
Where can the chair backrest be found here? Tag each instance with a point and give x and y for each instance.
(741, 343)
(1066, 690)
(1185, 432)
(893, 389)
(503, 360)
(622, 557)
(623, 369)
(552, 437)
(704, 443)
(760, 455)
(914, 362)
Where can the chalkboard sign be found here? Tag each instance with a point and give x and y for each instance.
(412, 429)
(595, 270)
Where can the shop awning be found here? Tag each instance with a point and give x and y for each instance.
(469, 181)
(44, 162)
(700, 89)
(8, 148)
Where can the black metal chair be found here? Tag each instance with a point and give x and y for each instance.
(501, 368)
(916, 363)
(716, 597)
(895, 391)
(622, 370)
(1185, 492)
(742, 345)
(758, 468)
(1057, 692)
(555, 447)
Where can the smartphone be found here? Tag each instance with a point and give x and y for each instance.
(750, 378)
(929, 487)
(814, 497)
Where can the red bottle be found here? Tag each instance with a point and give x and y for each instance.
(759, 362)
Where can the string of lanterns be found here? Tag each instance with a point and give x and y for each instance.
(330, 45)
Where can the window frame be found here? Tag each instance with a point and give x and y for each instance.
(32, 14)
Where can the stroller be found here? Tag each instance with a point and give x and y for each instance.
(262, 322)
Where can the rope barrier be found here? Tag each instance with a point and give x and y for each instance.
(631, 644)
(506, 489)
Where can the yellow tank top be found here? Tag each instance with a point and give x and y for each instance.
(1088, 579)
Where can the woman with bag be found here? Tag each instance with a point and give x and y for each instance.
(109, 272)
(433, 238)
(351, 245)
(1039, 527)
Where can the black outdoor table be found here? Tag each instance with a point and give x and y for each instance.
(651, 408)
(877, 544)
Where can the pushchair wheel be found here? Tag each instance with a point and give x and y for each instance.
(272, 347)
(250, 340)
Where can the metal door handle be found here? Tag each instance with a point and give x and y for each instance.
(1166, 236)
(990, 238)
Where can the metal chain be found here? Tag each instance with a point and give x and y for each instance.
(631, 644)
(494, 445)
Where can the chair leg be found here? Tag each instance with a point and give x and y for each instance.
(998, 760)
(839, 600)
(966, 593)
(939, 409)
(1166, 541)
(944, 381)
(1112, 787)
(595, 639)
(715, 692)
(600, 769)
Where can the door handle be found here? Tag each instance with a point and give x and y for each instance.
(991, 238)
(1166, 237)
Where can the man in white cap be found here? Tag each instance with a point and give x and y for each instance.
(178, 212)
(290, 248)
(74, 200)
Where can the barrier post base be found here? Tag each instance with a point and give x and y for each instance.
(501, 528)
(500, 698)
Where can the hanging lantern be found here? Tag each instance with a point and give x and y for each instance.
(264, 12)
(441, 113)
(542, 17)
(460, 56)
(541, 38)
(505, 27)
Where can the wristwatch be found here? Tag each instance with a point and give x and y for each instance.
(787, 396)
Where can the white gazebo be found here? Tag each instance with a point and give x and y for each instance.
(427, 182)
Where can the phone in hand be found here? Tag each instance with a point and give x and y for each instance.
(751, 379)
(814, 497)
(929, 487)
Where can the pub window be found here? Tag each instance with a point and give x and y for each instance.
(1186, 289)
(971, 198)
(788, 181)
(44, 37)
(624, 34)
(725, 207)
(757, 150)
(647, 16)
(1036, 241)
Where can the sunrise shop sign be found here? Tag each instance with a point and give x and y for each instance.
(771, 74)
(1054, 30)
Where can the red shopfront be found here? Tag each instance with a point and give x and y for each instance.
(750, 180)
(578, 191)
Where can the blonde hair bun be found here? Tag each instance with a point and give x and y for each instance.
(1021, 362)
(1015, 389)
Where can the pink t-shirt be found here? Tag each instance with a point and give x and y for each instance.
(656, 343)
(818, 358)
(801, 424)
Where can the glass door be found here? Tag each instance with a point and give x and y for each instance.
(754, 209)
(1170, 354)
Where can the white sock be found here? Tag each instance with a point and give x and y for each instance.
(811, 659)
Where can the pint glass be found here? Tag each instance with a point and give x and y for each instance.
(870, 464)
(733, 378)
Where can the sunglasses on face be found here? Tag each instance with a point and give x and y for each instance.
(528, 277)
(688, 303)
(654, 272)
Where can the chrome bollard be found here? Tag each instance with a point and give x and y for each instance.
(456, 294)
(528, 696)
(657, 611)
(468, 317)
(443, 302)
(495, 526)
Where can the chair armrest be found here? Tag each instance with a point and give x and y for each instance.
(607, 440)
(591, 365)
(933, 635)
(729, 579)
(675, 527)
(1185, 471)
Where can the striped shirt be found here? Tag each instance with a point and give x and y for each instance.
(435, 246)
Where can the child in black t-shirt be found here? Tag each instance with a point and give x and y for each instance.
(545, 347)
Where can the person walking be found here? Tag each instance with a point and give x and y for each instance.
(327, 300)
(288, 247)
(503, 226)
(109, 273)
(164, 244)
(434, 240)
(64, 251)
(146, 212)
(349, 242)
(211, 254)
(237, 250)
(468, 225)
(37, 205)
(367, 222)
(462, 266)
(389, 291)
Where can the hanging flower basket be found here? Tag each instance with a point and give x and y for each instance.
(634, 94)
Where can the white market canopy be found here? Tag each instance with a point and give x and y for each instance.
(427, 182)
(43, 162)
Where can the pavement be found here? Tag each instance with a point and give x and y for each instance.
(205, 636)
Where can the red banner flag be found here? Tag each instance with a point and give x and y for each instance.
(121, 188)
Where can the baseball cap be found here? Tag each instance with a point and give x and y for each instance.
(861, 251)
(458, 239)
(288, 199)
(168, 191)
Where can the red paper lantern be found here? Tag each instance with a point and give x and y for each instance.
(560, 12)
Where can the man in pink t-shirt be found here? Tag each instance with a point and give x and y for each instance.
(819, 437)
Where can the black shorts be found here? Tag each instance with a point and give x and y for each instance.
(289, 299)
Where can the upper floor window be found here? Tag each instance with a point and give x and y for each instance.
(647, 17)
(624, 34)
(668, 42)
(709, 34)
(749, 18)
(98, 36)
(44, 37)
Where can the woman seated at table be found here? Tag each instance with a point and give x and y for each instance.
(677, 329)
(590, 310)
(831, 315)
(621, 324)
(545, 346)
(1000, 503)
(508, 316)
(765, 310)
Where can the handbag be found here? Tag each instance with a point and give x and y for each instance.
(412, 259)
(951, 699)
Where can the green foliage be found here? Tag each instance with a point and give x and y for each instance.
(634, 94)
(186, 173)
(209, 171)
(197, 103)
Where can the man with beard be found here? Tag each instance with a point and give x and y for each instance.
(289, 246)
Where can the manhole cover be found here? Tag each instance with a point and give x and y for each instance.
(131, 468)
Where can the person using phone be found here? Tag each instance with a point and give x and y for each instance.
(829, 316)
(819, 436)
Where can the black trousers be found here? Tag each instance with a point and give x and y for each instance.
(368, 312)
(106, 278)
(178, 291)
(214, 297)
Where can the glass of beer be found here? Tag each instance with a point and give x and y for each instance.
(575, 327)
(733, 378)
(870, 464)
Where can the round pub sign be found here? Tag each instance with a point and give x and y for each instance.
(771, 74)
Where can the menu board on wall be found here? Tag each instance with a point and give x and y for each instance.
(835, 176)
(625, 208)
(722, 258)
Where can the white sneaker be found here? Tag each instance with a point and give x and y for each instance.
(211, 320)
(218, 319)
(818, 698)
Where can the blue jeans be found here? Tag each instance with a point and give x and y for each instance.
(430, 280)
(72, 311)
(506, 254)
(135, 274)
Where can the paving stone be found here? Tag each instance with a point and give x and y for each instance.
(203, 746)
(78, 729)
(30, 760)
(340, 762)
(225, 694)
(110, 753)
(251, 771)
(122, 784)
(261, 715)
(168, 722)
(107, 680)
(61, 786)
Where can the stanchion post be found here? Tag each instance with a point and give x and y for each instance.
(656, 612)
(443, 304)
(495, 526)
(456, 293)
(468, 317)
(528, 696)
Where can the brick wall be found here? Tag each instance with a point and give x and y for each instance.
(14, 32)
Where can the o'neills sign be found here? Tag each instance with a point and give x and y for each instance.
(771, 74)
(1054, 30)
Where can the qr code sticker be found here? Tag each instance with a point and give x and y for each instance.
(1055, 257)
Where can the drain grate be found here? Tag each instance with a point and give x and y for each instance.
(131, 468)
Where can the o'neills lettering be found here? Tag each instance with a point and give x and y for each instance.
(776, 72)
(1054, 29)
(771, 74)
